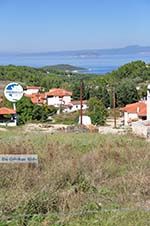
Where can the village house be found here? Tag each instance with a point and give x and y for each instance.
(75, 106)
(37, 98)
(54, 97)
(134, 112)
(142, 126)
(29, 90)
(7, 117)
(58, 97)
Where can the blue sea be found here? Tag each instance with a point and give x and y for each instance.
(92, 64)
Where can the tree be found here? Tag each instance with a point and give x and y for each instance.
(132, 70)
(97, 111)
(75, 87)
(41, 113)
(30, 112)
(24, 110)
(126, 93)
(100, 91)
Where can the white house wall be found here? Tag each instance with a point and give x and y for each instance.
(129, 116)
(10, 124)
(74, 108)
(31, 91)
(133, 115)
(54, 101)
(148, 103)
(67, 99)
(57, 101)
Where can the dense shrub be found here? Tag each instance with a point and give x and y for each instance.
(97, 111)
(29, 112)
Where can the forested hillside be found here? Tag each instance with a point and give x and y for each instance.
(124, 81)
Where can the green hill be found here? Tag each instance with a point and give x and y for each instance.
(63, 67)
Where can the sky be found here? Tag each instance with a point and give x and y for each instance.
(53, 25)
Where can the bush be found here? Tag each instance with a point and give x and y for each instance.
(30, 112)
(67, 118)
(97, 111)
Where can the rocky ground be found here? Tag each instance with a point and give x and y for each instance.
(53, 128)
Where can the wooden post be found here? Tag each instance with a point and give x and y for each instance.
(114, 106)
(81, 102)
(14, 106)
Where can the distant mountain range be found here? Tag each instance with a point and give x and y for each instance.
(129, 50)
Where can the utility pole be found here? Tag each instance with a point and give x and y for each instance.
(114, 105)
(81, 102)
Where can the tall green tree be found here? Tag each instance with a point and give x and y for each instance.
(97, 111)
(126, 93)
(100, 91)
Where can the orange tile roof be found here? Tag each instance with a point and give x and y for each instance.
(7, 111)
(37, 98)
(58, 92)
(142, 109)
(139, 107)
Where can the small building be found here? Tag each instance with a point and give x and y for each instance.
(134, 112)
(57, 97)
(142, 128)
(29, 90)
(75, 106)
(7, 117)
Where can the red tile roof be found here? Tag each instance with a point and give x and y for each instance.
(58, 92)
(7, 111)
(36, 98)
(142, 110)
(139, 107)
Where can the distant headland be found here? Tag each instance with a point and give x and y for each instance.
(132, 49)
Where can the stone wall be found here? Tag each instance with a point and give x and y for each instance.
(141, 128)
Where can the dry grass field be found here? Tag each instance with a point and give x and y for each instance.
(81, 179)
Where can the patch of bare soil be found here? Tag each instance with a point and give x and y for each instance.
(41, 127)
(3, 129)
